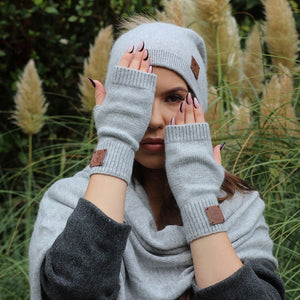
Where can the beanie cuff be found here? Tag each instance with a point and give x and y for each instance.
(165, 59)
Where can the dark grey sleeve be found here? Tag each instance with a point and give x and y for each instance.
(84, 261)
(255, 280)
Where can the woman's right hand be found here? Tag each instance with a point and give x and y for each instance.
(123, 113)
(138, 60)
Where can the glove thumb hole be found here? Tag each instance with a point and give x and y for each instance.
(100, 92)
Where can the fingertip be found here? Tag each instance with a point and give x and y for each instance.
(91, 81)
(222, 146)
(100, 92)
(217, 154)
(179, 118)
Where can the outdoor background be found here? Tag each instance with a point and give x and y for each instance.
(57, 35)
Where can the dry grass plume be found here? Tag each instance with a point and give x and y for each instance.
(277, 113)
(253, 65)
(95, 67)
(173, 12)
(280, 33)
(30, 101)
(242, 117)
(134, 21)
(209, 17)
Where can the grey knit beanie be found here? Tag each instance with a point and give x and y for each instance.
(176, 48)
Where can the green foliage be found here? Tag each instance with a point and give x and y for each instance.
(57, 35)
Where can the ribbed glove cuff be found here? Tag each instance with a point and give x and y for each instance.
(194, 178)
(188, 132)
(195, 219)
(117, 161)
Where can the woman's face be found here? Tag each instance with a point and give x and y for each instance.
(171, 90)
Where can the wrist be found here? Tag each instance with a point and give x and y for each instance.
(202, 217)
(112, 157)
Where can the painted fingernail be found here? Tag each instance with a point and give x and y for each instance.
(222, 146)
(146, 55)
(189, 99)
(150, 70)
(141, 46)
(130, 49)
(196, 103)
(92, 82)
(172, 122)
(182, 105)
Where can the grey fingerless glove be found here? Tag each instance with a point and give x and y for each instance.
(122, 121)
(194, 178)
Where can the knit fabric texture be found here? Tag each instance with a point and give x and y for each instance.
(122, 120)
(197, 180)
(176, 48)
(155, 264)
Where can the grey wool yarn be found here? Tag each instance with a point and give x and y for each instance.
(185, 54)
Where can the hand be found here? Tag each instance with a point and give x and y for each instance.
(122, 113)
(137, 61)
(193, 168)
(189, 112)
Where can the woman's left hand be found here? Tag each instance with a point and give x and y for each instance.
(189, 112)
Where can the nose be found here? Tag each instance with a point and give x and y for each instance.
(157, 120)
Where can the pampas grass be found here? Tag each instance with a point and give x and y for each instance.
(134, 21)
(280, 33)
(253, 65)
(29, 115)
(30, 102)
(277, 113)
(173, 12)
(212, 19)
(260, 129)
(241, 114)
(212, 115)
(95, 67)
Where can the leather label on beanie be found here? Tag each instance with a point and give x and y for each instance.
(98, 157)
(215, 214)
(195, 67)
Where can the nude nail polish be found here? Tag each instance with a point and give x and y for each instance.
(130, 49)
(189, 99)
(141, 46)
(196, 103)
(172, 121)
(146, 55)
(150, 70)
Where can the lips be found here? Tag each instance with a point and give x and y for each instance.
(153, 144)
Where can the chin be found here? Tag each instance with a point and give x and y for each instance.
(151, 162)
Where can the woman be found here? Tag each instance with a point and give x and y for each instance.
(148, 224)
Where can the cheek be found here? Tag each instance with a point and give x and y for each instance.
(169, 110)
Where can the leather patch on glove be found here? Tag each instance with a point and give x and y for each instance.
(215, 214)
(98, 157)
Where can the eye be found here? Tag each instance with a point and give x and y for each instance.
(175, 98)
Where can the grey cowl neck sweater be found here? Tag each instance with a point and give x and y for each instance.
(155, 264)
(161, 259)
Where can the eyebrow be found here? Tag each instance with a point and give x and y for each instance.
(176, 89)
